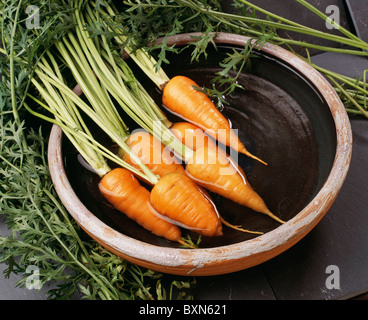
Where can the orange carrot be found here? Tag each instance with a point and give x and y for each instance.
(152, 153)
(195, 138)
(144, 145)
(182, 98)
(217, 173)
(122, 190)
(191, 135)
(179, 198)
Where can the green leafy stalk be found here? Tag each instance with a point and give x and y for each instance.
(247, 22)
(355, 93)
(255, 26)
(350, 97)
(333, 23)
(140, 56)
(232, 67)
(27, 184)
(116, 76)
(11, 67)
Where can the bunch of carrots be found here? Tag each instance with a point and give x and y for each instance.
(178, 196)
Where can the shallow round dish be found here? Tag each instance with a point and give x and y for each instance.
(287, 114)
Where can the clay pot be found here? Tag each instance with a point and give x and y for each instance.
(288, 115)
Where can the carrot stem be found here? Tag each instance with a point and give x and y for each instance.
(349, 97)
(64, 104)
(186, 244)
(334, 23)
(140, 56)
(12, 71)
(125, 88)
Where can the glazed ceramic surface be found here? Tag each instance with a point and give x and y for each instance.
(287, 114)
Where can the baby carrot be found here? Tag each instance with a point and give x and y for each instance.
(191, 135)
(175, 200)
(144, 145)
(152, 153)
(216, 172)
(122, 190)
(182, 98)
(195, 138)
(177, 197)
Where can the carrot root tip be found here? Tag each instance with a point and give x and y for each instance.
(255, 158)
(239, 228)
(270, 214)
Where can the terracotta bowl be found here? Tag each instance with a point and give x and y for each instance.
(287, 114)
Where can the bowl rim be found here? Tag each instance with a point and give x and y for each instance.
(206, 261)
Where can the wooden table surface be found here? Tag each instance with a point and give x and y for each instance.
(339, 243)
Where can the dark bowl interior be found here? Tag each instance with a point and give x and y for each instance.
(281, 118)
